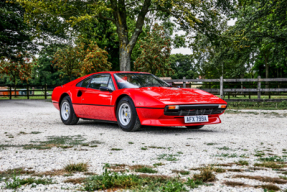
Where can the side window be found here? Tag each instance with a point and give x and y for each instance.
(84, 83)
(99, 81)
(111, 84)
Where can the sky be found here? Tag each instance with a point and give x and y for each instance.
(188, 51)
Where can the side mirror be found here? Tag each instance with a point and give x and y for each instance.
(105, 89)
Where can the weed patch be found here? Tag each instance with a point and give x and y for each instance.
(269, 165)
(143, 182)
(272, 159)
(182, 172)
(241, 162)
(224, 148)
(205, 175)
(158, 164)
(76, 167)
(116, 149)
(145, 170)
(168, 157)
(17, 182)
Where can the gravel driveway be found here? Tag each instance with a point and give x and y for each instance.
(32, 136)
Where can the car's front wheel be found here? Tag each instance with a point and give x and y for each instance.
(127, 115)
(194, 127)
(67, 113)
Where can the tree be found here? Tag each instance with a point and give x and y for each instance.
(155, 52)
(183, 66)
(188, 14)
(44, 73)
(82, 59)
(17, 69)
(15, 34)
(68, 62)
(95, 59)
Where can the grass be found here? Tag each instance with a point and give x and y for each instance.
(182, 172)
(35, 132)
(241, 162)
(219, 170)
(113, 181)
(17, 182)
(211, 143)
(269, 164)
(56, 141)
(155, 147)
(233, 155)
(258, 105)
(144, 148)
(76, 167)
(130, 143)
(224, 148)
(158, 164)
(168, 157)
(273, 159)
(145, 170)
(116, 149)
(11, 172)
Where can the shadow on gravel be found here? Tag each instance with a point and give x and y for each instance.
(151, 129)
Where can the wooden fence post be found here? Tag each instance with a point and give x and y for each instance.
(46, 91)
(10, 96)
(184, 82)
(28, 94)
(259, 87)
(221, 87)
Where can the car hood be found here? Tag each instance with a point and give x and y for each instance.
(170, 95)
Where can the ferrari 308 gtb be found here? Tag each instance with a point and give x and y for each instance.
(133, 99)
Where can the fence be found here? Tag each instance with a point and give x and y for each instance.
(243, 91)
(29, 92)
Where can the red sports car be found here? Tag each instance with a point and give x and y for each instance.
(133, 99)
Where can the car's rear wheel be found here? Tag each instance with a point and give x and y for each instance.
(67, 113)
(127, 115)
(194, 127)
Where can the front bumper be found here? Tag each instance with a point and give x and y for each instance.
(157, 117)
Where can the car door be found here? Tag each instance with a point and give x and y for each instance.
(77, 92)
(97, 103)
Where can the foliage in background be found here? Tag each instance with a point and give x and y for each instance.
(80, 60)
(255, 45)
(44, 72)
(94, 60)
(15, 34)
(21, 69)
(155, 52)
(188, 14)
(183, 66)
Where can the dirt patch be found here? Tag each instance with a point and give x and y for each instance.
(75, 180)
(262, 178)
(51, 173)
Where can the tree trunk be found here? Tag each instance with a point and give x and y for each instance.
(125, 59)
(120, 20)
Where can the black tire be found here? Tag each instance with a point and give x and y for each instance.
(71, 119)
(134, 123)
(194, 127)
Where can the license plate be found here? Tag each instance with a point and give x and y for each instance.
(196, 119)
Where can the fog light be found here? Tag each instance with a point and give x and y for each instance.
(222, 106)
(173, 107)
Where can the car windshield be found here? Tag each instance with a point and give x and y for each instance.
(137, 80)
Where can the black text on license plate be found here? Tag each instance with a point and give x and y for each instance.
(196, 119)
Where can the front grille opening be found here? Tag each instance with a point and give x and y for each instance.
(186, 110)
